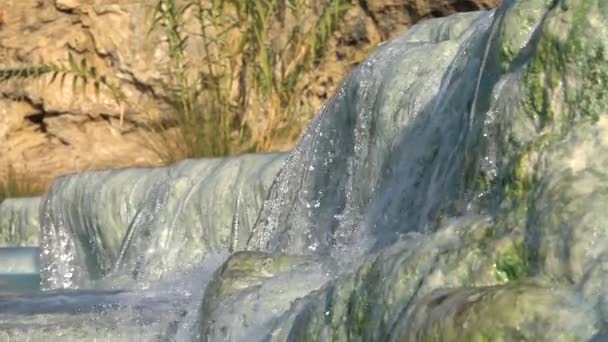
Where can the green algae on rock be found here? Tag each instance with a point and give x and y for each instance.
(519, 312)
(267, 283)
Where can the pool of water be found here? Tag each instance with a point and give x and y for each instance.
(19, 271)
(18, 283)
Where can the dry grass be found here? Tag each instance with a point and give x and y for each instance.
(18, 185)
(241, 51)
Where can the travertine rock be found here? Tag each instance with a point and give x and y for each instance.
(67, 5)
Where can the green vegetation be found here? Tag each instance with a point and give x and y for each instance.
(78, 71)
(512, 264)
(242, 93)
(240, 50)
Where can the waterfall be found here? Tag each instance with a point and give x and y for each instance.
(453, 188)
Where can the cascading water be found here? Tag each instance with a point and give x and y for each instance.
(452, 189)
(19, 222)
(141, 224)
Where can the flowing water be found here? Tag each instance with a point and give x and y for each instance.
(453, 188)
